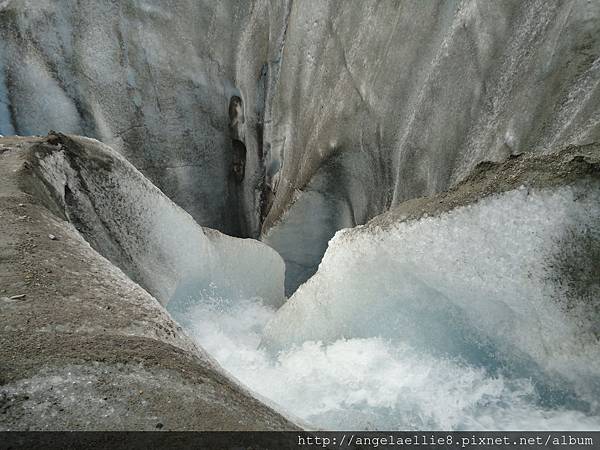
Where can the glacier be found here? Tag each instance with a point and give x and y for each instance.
(385, 100)
(352, 144)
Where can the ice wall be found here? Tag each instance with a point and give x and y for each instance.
(386, 100)
(151, 79)
(422, 92)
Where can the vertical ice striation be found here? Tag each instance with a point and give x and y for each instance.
(422, 92)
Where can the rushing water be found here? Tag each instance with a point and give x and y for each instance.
(370, 383)
(451, 322)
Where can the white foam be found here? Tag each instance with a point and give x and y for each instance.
(368, 383)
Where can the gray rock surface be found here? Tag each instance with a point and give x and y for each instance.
(341, 109)
(83, 346)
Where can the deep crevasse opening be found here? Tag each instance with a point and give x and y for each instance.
(451, 322)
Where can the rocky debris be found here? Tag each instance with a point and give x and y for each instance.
(531, 170)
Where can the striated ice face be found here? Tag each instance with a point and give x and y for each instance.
(158, 244)
(451, 322)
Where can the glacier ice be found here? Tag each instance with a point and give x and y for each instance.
(524, 77)
(475, 282)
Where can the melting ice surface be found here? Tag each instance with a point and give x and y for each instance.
(420, 339)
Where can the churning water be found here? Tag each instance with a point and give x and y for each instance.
(369, 383)
(451, 322)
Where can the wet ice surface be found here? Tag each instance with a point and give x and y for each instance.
(452, 322)
(100, 396)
